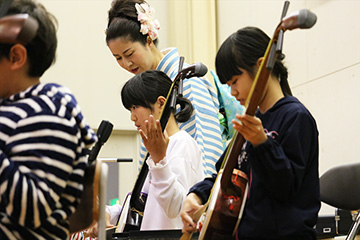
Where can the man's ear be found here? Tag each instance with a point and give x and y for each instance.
(17, 56)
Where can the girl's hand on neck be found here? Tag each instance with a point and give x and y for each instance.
(250, 127)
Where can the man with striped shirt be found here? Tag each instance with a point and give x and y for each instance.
(43, 137)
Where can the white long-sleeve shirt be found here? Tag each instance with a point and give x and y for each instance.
(169, 181)
(167, 184)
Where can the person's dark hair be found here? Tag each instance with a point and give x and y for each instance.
(123, 22)
(41, 50)
(5, 50)
(242, 50)
(145, 88)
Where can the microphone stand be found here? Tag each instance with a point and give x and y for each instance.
(180, 86)
(280, 41)
(177, 92)
(109, 160)
(276, 47)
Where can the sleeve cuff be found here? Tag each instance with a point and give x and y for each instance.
(160, 164)
(160, 171)
(114, 212)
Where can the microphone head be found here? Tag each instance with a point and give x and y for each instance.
(104, 131)
(200, 69)
(194, 70)
(306, 19)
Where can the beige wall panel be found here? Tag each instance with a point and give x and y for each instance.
(265, 14)
(334, 101)
(334, 45)
(233, 15)
(192, 29)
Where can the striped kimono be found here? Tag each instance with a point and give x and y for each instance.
(43, 137)
(204, 124)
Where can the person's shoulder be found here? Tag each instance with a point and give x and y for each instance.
(56, 97)
(290, 104)
(184, 138)
(58, 102)
(36, 100)
(182, 144)
(182, 134)
(169, 50)
(181, 138)
(57, 92)
(293, 108)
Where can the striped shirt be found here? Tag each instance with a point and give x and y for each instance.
(43, 137)
(204, 124)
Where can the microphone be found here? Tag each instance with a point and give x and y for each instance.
(18, 28)
(103, 134)
(194, 70)
(302, 19)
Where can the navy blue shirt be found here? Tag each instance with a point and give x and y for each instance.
(283, 199)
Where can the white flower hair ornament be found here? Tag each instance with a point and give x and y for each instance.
(149, 24)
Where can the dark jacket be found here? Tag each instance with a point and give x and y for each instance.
(283, 199)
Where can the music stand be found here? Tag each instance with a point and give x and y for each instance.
(338, 188)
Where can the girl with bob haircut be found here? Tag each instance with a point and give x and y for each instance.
(175, 158)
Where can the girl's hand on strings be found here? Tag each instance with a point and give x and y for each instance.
(191, 204)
